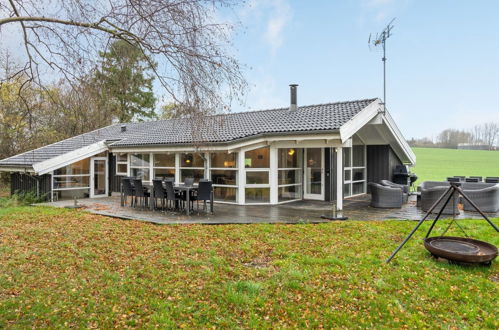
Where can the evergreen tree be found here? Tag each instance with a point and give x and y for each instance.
(125, 82)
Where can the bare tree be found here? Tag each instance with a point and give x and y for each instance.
(63, 37)
(490, 134)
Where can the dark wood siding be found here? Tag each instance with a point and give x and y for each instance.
(114, 180)
(381, 161)
(22, 183)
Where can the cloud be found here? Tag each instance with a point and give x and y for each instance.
(274, 15)
(280, 16)
(380, 11)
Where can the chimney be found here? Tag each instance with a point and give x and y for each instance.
(123, 128)
(293, 104)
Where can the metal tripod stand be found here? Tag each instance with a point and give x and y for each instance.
(455, 188)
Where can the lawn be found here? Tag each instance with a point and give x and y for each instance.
(64, 268)
(436, 164)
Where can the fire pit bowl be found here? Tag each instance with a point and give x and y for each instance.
(461, 249)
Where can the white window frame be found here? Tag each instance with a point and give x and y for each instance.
(121, 163)
(153, 155)
(257, 169)
(235, 169)
(180, 168)
(149, 167)
(54, 176)
(350, 168)
(299, 169)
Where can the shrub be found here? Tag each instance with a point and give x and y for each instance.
(22, 198)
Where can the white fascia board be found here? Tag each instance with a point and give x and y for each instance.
(360, 119)
(16, 169)
(368, 114)
(390, 123)
(262, 141)
(69, 158)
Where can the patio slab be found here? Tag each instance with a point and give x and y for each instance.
(297, 212)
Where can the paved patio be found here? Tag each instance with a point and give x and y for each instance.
(297, 212)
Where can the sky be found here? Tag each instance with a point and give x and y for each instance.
(442, 59)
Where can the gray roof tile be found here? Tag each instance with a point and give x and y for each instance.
(211, 129)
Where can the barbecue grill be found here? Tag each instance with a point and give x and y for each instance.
(401, 175)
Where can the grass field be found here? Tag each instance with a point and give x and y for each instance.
(63, 268)
(438, 164)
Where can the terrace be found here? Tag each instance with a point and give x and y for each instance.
(355, 208)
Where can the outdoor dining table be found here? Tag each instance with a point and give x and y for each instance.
(180, 187)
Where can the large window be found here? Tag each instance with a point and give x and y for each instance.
(164, 166)
(224, 176)
(140, 166)
(121, 164)
(289, 174)
(257, 163)
(72, 180)
(354, 178)
(191, 166)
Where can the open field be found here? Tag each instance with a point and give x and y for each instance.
(437, 164)
(63, 268)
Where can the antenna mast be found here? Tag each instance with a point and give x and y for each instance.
(380, 39)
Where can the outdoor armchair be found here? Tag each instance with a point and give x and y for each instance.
(405, 188)
(431, 191)
(486, 198)
(386, 196)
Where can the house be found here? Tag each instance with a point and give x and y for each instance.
(318, 152)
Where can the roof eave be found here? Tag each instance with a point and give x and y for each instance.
(17, 168)
(223, 143)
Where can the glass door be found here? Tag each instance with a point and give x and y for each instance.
(98, 177)
(314, 173)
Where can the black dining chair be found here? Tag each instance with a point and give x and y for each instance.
(204, 192)
(128, 191)
(140, 193)
(171, 195)
(159, 192)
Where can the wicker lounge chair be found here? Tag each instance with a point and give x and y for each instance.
(405, 188)
(484, 195)
(385, 196)
(431, 191)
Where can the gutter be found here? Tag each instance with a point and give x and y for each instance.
(17, 168)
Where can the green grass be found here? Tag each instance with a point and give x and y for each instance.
(435, 164)
(64, 268)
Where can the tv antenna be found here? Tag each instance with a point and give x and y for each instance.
(380, 39)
